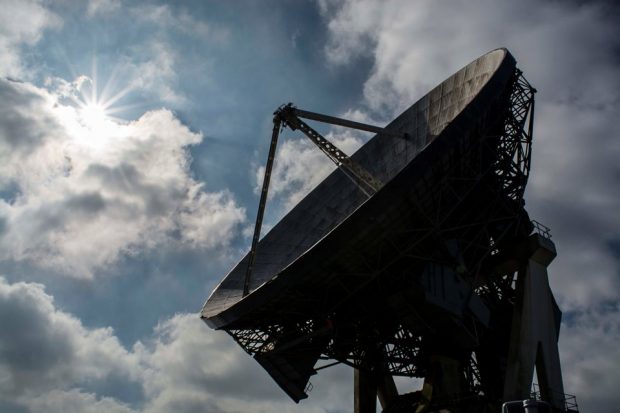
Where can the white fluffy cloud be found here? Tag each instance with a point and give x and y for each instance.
(83, 191)
(21, 24)
(189, 368)
(151, 68)
(49, 361)
(568, 51)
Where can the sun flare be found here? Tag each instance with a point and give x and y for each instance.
(93, 115)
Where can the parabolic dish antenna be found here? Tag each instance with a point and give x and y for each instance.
(403, 261)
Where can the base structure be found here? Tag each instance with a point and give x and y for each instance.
(530, 345)
(535, 330)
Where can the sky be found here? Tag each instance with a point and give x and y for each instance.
(132, 140)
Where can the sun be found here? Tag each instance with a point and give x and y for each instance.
(96, 126)
(95, 123)
(90, 110)
(93, 115)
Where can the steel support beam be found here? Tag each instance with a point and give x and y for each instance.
(386, 390)
(261, 205)
(344, 122)
(364, 392)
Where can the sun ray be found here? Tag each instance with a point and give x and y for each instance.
(111, 91)
(93, 114)
(119, 95)
(93, 92)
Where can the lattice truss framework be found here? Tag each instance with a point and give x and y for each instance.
(513, 164)
(400, 352)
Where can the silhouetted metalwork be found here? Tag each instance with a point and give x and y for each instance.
(263, 201)
(291, 116)
(428, 266)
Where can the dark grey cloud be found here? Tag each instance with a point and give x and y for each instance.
(42, 348)
(30, 343)
(21, 126)
(24, 127)
(589, 340)
(126, 178)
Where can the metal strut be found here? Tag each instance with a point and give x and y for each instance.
(290, 116)
(362, 178)
(261, 205)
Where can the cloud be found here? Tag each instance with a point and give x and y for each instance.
(96, 7)
(167, 18)
(154, 67)
(84, 194)
(50, 361)
(191, 369)
(74, 401)
(157, 67)
(44, 348)
(590, 353)
(22, 23)
(571, 189)
(415, 47)
(151, 69)
(202, 370)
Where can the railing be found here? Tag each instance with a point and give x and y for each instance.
(541, 229)
(570, 400)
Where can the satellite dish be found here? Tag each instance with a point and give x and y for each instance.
(397, 279)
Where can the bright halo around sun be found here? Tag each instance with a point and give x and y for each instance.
(93, 116)
(93, 123)
(96, 128)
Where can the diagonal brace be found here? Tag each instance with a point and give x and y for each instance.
(360, 176)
